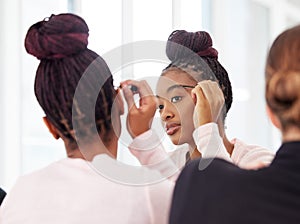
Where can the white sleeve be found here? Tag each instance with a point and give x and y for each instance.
(256, 157)
(210, 143)
(150, 152)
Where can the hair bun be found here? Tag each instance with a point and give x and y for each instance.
(283, 96)
(59, 36)
(199, 42)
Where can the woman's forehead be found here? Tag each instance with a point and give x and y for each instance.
(174, 77)
(179, 75)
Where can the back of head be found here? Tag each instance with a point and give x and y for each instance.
(182, 46)
(283, 77)
(60, 43)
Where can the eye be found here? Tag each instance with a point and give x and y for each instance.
(160, 107)
(176, 99)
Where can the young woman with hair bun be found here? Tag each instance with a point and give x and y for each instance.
(224, 193)
(195, 95)
(71, 190)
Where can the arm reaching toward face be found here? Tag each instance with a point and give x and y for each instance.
(146, 145)
(209, 102)
(140, 118)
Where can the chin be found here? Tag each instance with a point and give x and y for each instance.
(177, 141)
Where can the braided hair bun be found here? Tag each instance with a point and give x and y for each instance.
(194, 50)
(199, 42)
(57, 37)
(65, 61)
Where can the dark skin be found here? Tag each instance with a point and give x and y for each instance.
(206, 108)
(170, 112)
(94, 147)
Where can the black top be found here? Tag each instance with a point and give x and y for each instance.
(2, 195)
(224, 193)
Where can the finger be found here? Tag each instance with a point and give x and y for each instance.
(205, 89)
(145, 93)
(211, 88)
(218, 90)
(128, 95)
(125, 82)
(132, 87)
(216, 93)
(146, 89)
(214, 96)
(143, 88)
(198, 93)
(202, 112)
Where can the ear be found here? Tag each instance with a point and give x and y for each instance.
(51, 128)
(274, 119)
(119, 102)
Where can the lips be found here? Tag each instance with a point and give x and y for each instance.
(172, 128)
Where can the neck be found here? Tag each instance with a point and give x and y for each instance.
(193, 151)
(95, 147)
(228, 145)
(292, 134)
(194, 154)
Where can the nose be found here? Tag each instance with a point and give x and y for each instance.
(166, 113)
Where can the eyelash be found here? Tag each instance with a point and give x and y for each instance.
(179, 98)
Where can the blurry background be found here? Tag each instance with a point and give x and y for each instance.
(242, 31)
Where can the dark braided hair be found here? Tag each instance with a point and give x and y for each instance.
(60, 43)
(193, 51)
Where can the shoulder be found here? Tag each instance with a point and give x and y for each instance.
(202, 173)
(204, 188)
(244, 154)
(209, 165)
(213, 177)
(60, 170)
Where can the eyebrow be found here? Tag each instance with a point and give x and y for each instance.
(179, 86)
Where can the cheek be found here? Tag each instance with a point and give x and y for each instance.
(186, 116)
(187, 125)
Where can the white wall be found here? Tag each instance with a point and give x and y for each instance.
(10, 71)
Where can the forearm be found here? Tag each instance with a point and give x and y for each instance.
(210, 143)
(150, 152)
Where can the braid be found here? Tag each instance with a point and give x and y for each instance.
(193, 51)
(61, 46)
(222, 78)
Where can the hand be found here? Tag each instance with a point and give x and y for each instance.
(139, 119)
(255, 165)
(209, 101)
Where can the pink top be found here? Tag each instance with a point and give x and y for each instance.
(208, 142)
(70, 191)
